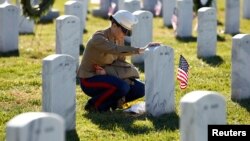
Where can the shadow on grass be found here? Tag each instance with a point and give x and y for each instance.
(243, 103)
(25, 34)
(140, 66)
(72, 136)
(219, 23)
(220, 38)
(166, 122)
(214, 61)
(186, 39)
(109, 121)
(233, 34)
(81, 49)
(9, 54)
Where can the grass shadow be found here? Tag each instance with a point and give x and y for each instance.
(81, 49)
(27, 34)
(232, 34)
(169, 26)
(140, 66)
(212, 61)
(219, 23)
(72, 136)
(243, 103)
(166, 122)
(45, 22)
(10, 53)
(186, 39)
(128, 122)
(221, 38)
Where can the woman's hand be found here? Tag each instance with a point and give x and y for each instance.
(99, 70)
(151, 44)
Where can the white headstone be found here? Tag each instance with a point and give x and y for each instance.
(76, 8)
(246, 9)
(232, 18)
(149, 5)
(26, 25)
(132, 5)
(36, 126)
(9, 15)
(240, 67)
(2, 1)
(120, 4)
(139, 38)
(103, 10)
(198, 110)
(59, 87)
(159, 80)
(85, 11)
(185, 18)
(207, 32)
(168, 10)
(68, 36)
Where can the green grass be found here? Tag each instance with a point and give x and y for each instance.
(21, 83)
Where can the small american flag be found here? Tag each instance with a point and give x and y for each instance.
(182, 74)
(174, 19)
(158, 8)
(112, 9)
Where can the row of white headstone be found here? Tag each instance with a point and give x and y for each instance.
(167, 6)
(130, 5)
(10, 22)
(198, 108)
(184, 13)
(207, 26)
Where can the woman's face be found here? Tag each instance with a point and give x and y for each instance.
(117, 31)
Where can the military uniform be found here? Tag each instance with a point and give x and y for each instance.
(102, 50)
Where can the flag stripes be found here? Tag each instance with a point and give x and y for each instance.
(182, 74)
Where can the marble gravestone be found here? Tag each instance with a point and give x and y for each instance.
(207, 32)
(103, 10)
(2, 1)
(132, 5)
(26, 24)
(232, 17)
(75, 8)
(168, 10)
(59, 87)
(149, 5)
(198, 110)
(246, 9)
(159, 80)
(36, 126)
(240, 67)
(145, 24)
(9, 19)
(85, 4)
(120, 4)
(185, 18)
(68, 36)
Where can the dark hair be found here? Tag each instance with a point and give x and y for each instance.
(124, 30)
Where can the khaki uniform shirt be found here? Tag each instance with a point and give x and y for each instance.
(102, 49)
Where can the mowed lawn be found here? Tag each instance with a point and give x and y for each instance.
(21, 82)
